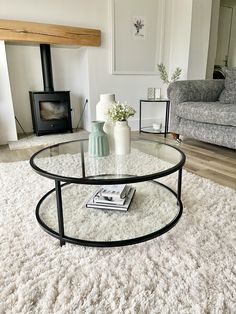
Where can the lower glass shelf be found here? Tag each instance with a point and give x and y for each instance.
(149, 129)
(154, 210)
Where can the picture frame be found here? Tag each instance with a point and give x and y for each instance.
(137, 42)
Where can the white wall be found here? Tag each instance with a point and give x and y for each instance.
(7, 119)
(89, 13)
(180, 16)
(130, 88)
(25, 74)
(84, 117)
(86, 71)
(200, 34)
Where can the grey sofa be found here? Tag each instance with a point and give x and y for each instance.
(196, 112)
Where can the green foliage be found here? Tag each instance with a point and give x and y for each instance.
(120, 112)
(164, 75)
(176, 75)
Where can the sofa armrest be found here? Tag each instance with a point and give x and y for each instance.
(195, 90)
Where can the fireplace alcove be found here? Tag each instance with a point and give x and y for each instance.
(32, 34)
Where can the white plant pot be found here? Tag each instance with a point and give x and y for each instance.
(164, 92)
(106, 101)
(122, 138)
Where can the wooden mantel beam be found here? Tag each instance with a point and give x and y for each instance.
(20, 31)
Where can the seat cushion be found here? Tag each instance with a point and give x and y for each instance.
(228, 94)
(208, 112)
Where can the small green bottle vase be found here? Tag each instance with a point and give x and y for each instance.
(98, 141)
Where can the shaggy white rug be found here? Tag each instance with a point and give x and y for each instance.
(50, 139)
(190, 269)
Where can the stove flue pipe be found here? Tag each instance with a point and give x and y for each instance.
(45, 53)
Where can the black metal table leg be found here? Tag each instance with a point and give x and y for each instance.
(60, 212)
(168, 115)
(167, 118)
(82, 159)
(140, 108)
(179, 184)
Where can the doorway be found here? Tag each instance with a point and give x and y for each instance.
(224, 36)
(222, 43)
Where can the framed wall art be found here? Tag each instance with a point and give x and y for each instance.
(137, 36)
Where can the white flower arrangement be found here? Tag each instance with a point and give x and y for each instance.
(120, 111)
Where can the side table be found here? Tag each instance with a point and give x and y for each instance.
(150, 129)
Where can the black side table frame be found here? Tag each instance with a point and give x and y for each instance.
(167, 113)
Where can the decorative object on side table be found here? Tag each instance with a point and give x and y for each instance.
(165, 78)
(157, 125)
(106, 101)
(98, 141)
(119, 113)
(153, 93)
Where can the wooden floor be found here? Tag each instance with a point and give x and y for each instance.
(206, 160)
(210, 161)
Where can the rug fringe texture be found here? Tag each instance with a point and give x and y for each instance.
(190, 269)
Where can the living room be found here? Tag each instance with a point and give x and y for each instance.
(188, 269)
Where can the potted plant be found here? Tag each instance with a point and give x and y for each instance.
(119, 113)
(164, 75)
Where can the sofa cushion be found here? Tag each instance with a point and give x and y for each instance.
(208, 112)
(228, 95)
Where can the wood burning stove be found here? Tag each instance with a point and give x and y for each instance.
(51, 110)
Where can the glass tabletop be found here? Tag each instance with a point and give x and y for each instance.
(70, 162)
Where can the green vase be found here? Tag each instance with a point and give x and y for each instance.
(98, 141)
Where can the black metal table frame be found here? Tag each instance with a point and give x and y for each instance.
(94, 181)
(167, 113)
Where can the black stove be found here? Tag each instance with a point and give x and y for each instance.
(51, 110)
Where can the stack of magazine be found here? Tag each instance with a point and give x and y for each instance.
(117, 197)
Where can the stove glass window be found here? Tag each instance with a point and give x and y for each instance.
(53, 110)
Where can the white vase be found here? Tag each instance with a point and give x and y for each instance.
(122, 137)
(164, 92)
(106, 101)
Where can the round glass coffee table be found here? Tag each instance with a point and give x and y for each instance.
(154, 210)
